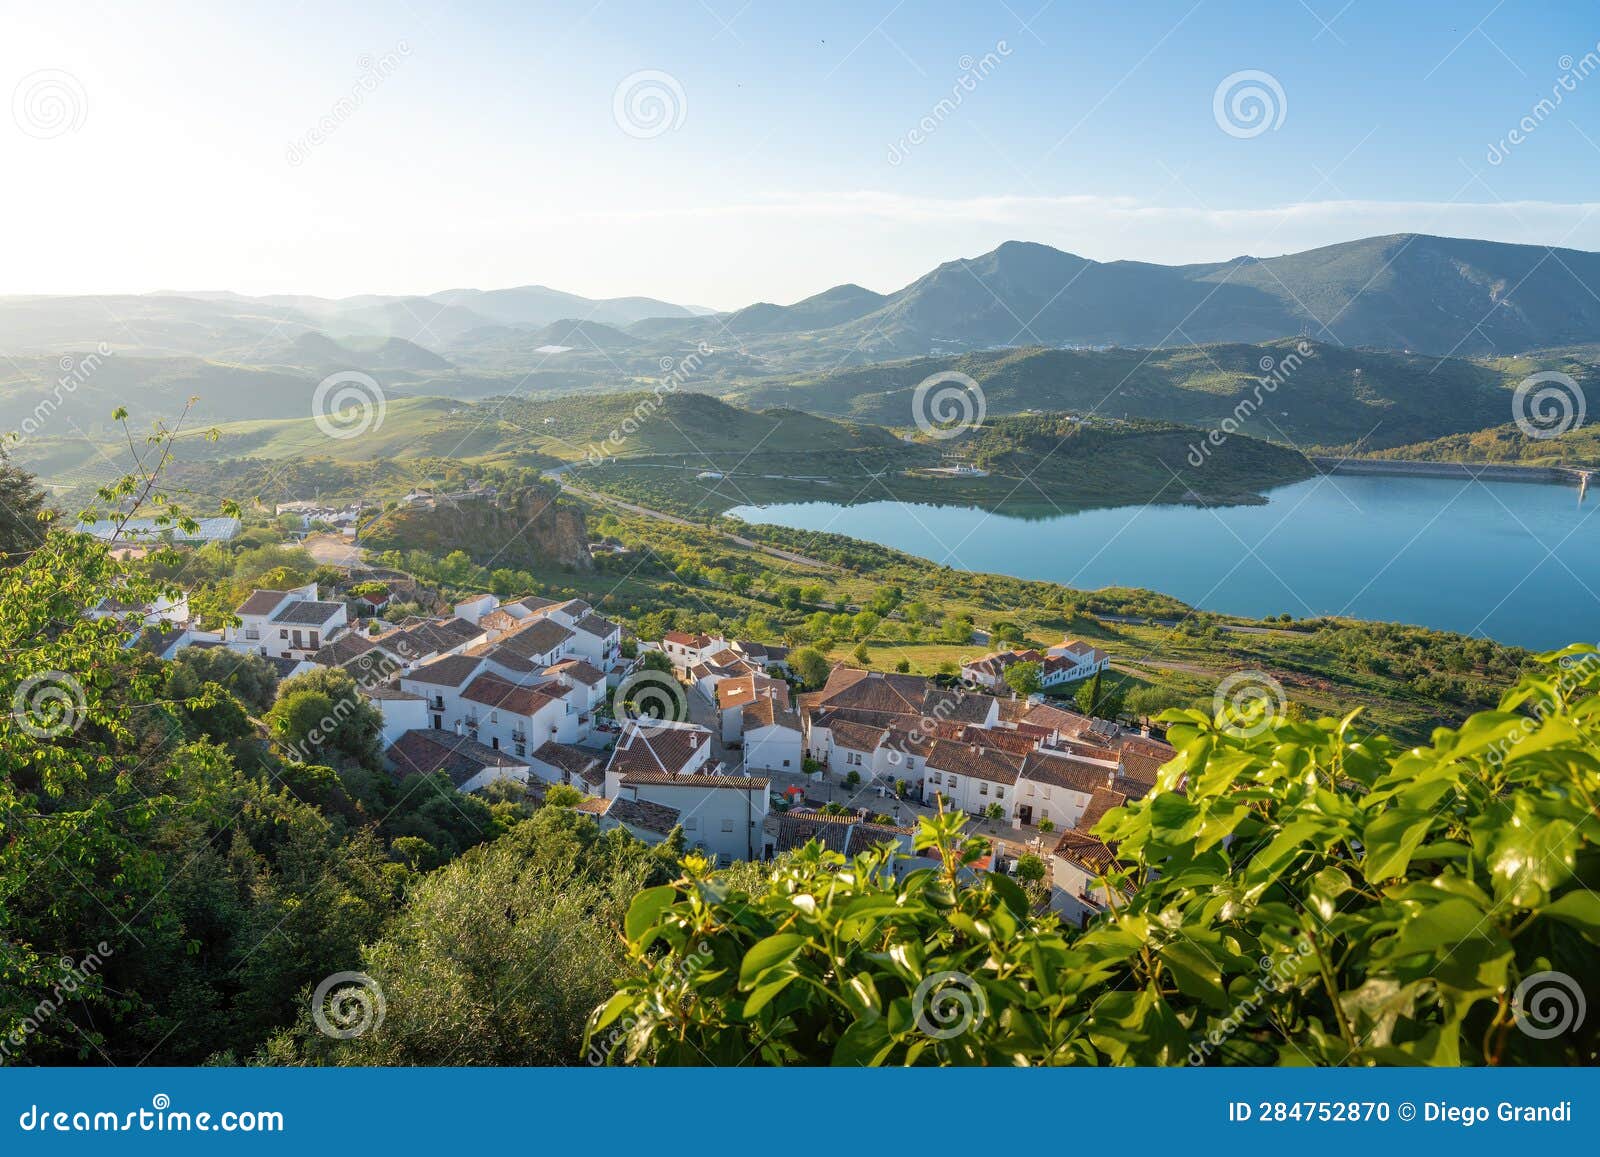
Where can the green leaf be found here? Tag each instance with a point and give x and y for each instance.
(646, 907)
(1580, 908)
(767, 954)
(1390, 841)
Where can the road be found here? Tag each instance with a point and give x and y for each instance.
(633, 508)
(332, 550)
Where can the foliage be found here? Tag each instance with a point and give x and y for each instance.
(323, 713)
(810, 665)
(1311, 895)
(1023, 678)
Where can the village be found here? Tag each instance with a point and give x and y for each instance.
(712, 736)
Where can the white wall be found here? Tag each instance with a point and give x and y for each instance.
(774, 748)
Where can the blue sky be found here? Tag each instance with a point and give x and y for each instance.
(480, 144)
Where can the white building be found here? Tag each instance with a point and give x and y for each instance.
(292, 624)
(724, 815)
(771, 736)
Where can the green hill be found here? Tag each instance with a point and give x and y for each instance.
(1323, 396)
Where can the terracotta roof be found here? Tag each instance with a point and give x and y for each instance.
(679, 638)
(848, 834)
(742, 689)
(1057, 719)
(767, 713)
(1102, 801)
(956, 706)
(342, 650)
(658, 779)
(422, 752)
(871, 691)
(538, 637)
(1009, 741)
(979, 762)
(857, 736)
(504, 695)
(643, 813)
(1064, 771)
(1142, 758)
(389, 691)
(450, 671)
(261, 602)
(659, 748)
(1089, 852)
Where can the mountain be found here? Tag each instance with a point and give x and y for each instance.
(535, 305)
(1296, 391)
(1416, 292)
(321, 351)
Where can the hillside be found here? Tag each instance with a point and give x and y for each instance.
(1326, 396)
(1434, 295)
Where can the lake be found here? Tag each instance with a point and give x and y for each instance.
(1518, 562)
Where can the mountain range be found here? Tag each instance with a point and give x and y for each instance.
(1405, 292)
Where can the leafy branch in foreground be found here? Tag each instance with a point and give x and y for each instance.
(1303, 895)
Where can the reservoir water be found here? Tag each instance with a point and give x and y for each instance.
(1517, 562)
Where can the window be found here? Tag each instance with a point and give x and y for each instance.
(933, 777)
(494, 717)
(983, 788)
(691, 823)
(999, 793)
(786, 763)
(954, 782)
(911, 763)
(283, 634)
(494, 741)
(727, 825)
(522, 749)
(1047, 792)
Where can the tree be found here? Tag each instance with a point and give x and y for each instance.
(244, 673)
(903, 666)
(901, 787)
(861, 655)
(852, 779)
(810, 665)
(1023, 678)
(562, 795)
(1030, 868)
(994, 812)
(655, 660)
(322, 714)
(24, 518)
(864, 624)
(1046, 825)
(1311, 893)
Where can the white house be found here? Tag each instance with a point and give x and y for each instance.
(735, 694)
(473, 609)
(563, 763)
(657, 747)
(642, 818)
(771, 737)
(469, 764)
(402, 711)
(292, 624)
(1059, 788)
(724, 815)
(1071, 660)
(596, 639)
(970, 777)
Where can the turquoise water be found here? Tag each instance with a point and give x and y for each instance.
(1512, 561)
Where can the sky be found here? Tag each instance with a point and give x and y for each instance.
(717, 152)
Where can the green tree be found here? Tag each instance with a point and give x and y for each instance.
(810, 664)
(323, 714)
(1023, 678)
